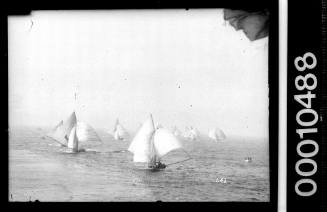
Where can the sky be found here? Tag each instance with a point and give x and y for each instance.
(187, 68)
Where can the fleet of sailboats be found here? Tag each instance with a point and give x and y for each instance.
(191, 133)
(149, 145)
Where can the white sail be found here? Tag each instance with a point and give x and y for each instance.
(69, 124)
(86, 133)
(141, 145)
(164, 141)
(212, 134)
(216, 134)
(116, 135)
(191, 133)
(73, 140)
(58, 134)
(220, 134)
(119, 132)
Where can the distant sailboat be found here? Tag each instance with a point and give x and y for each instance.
(120, 133)
(195, 133)
(150, 144)
(217, 134)
(191, 133)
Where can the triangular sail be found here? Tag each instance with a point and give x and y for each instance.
(164, 141)
(220, 134)
(141, 145)
(73, 141)
(122, 133)
(58, 134)
(86, 133)
(69, 124)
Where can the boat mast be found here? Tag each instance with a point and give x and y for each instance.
(75, 98)
(153, 158)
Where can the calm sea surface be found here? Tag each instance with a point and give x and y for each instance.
(40, 169)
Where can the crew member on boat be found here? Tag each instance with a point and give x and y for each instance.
(155, 163)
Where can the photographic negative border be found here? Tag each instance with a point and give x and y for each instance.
(273, 75)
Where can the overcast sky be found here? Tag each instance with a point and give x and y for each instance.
(187, 68)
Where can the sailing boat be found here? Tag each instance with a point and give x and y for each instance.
(194, 133)
(63, 132)
(191, 133)
(150, 144)
(119, 131)
(216, 134)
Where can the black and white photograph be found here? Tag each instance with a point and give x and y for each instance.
(139, 105)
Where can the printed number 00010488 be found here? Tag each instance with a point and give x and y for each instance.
(302, 83)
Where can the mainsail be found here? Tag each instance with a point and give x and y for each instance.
(73, 140)
(164, 141)
(69, 124)
(141, 145)
(216, 134)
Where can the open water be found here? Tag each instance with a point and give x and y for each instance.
(39, 169)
